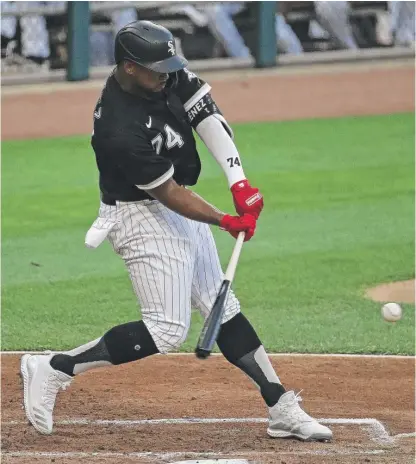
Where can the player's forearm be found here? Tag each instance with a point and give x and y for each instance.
(220, 144)
(186, 203)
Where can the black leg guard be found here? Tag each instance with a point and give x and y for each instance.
(129, 342)
(121, 344)
(237, 338)
(241, 346)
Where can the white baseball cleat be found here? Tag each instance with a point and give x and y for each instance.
(288, 419)
(41, 384)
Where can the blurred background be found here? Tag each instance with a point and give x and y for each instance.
(320, 96)
(40, 39)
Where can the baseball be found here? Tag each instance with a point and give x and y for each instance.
(391, 312)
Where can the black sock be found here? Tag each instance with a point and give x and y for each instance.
(121, 344)
(94, 354)
(241, 346)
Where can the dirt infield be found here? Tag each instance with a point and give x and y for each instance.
(350, 391)
(398, 292)
(368, 402)
(242, 97)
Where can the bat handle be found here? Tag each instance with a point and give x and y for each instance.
(232, 265)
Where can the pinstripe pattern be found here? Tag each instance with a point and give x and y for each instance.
(208, 276)
(172, 262)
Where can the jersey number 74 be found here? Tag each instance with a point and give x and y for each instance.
(172, 139)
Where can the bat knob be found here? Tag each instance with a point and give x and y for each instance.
(202, 354)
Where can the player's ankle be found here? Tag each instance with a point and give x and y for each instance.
(63, 363)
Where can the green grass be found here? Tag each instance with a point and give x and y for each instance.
(339, 217)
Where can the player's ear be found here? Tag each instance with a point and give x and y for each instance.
(129, 67)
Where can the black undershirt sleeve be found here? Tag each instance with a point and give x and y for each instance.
(194, 93)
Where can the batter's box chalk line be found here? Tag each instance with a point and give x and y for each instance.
(373, 427)
(186, 454)
(272, 355)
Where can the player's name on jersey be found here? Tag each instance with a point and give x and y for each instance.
(196, 109)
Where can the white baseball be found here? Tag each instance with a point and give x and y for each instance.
(391, 312)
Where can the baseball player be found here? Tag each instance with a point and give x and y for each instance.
(146, 156)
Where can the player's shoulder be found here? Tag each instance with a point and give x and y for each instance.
(116, 99)
(116, 113)
(186, 84)
(117, 125)
(184, 78)
(187, 75)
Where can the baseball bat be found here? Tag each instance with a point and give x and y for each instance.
(211, 328)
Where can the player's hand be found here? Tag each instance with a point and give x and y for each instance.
(247, 199)
(236, 224)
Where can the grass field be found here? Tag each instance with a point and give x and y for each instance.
(339, 217)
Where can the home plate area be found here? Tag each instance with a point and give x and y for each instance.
(225, 442)
(176, 409)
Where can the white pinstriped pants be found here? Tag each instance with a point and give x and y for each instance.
(173, 264)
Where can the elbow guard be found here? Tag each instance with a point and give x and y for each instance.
(201, 108)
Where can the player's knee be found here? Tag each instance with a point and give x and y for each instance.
(232, 308)
(168, 335)
(129, 342)
(171, 336)
(204, 305)
(232, 301)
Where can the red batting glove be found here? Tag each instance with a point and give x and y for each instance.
(247, 199)
(236, 224)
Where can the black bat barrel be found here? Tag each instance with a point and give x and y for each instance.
(212, 325)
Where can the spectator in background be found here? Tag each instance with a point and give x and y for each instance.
(402, 15)
(333, 17)
(34, 34)
(221, 25)
(102, 42)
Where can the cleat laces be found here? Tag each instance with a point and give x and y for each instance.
(296, 411)
(51, 387)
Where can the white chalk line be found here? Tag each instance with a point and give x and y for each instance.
(379, 434)
(405, 435)
(193, 420)
(277, 355)
(132, 423)
(373, 427)
(179, 454)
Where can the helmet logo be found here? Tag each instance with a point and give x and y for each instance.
(171, 47)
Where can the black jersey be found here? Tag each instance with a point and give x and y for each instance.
(140, 142)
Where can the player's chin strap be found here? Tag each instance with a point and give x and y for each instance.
(217, 136)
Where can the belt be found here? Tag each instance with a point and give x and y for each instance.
(111, 201)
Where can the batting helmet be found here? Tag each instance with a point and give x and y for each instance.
(148, 45)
